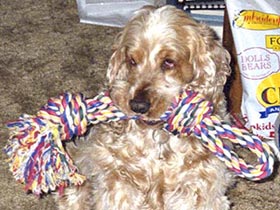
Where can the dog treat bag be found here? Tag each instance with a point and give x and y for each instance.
(255, 27)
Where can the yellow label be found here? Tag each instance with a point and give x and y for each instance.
(272, 42)
(256, 20)
(268, 94)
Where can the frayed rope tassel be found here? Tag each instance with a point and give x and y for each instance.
(38, 159)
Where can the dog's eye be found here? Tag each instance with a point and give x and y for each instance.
(132, 62)
(168, 64)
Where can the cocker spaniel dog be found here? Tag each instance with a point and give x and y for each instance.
(135, 164)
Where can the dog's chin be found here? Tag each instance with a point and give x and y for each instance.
(154, 124)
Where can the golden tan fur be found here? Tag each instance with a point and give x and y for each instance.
(132, 165)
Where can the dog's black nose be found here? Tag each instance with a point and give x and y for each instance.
(139, 105)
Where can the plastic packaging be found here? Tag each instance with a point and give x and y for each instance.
(110, 12)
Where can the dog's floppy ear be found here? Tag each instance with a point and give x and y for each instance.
(210, 63)
(115, 62)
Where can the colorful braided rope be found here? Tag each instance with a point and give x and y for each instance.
(38, 159)
(191, 113)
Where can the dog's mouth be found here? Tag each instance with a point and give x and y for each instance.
(152, 122)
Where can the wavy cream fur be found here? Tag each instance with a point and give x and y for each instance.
(131, 165)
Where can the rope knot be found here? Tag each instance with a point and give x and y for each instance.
(36, 153)
(72, 113)
(186, 112)
(191, 113)
(68, 112)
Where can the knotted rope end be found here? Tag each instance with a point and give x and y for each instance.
(36, 155)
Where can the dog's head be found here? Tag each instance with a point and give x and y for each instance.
(159, 52)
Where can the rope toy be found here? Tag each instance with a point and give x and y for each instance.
(38, 159)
